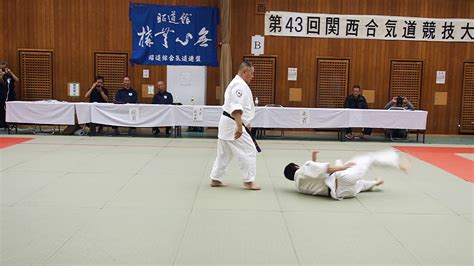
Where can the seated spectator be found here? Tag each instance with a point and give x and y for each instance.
(398, 103)
(356, 101)
(123, 96)
(162, 97)
(98, 94)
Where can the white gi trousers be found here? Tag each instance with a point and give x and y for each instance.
(244, 149)
(350, 182)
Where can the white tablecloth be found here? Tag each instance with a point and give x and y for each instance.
(280, 117)
(41, 112)
(188, 115)
(388, 119)
(83, 112)
(133, 115)
(153, 115)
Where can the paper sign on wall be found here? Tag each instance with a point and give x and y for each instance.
(148, 90)
(146, 73)
(151, 89)
(258, 44)
(73, 89)
(440, 77)
(292, 73)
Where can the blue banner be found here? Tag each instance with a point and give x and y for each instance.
(174, 35)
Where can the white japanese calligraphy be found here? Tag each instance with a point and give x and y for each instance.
(145, 37)
(189, 36)
(164, 32)
(185, 18)
(171, 18)
(203, 38)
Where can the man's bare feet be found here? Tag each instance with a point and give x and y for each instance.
(404, 164)
(379, 181)
(251, 186)
(217, 183)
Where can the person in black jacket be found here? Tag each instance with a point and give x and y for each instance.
(126, 94)
(7, 90)
(162, 97)
(356, 101)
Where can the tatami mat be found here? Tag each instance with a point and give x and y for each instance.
(124, 200)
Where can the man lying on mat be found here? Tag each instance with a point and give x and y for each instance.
(338, 180)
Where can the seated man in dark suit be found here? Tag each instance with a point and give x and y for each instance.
(126, 95)
(162, 97)
(356, 101)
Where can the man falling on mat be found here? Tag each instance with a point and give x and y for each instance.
(339, 180)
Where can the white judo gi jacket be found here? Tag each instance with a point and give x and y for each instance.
(312, 178)
(238, 96)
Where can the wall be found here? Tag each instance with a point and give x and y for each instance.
(370, 59)
(74, 30)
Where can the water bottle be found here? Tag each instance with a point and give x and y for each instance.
(256, 101)
(192, 100)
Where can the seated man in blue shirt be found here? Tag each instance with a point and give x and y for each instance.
(162, 97)
(126, 95)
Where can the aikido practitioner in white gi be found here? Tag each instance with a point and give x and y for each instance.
(234, 138)
(339, 180)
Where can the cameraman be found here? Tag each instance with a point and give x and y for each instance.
(400, 101)
(9, 79)
(98, 94)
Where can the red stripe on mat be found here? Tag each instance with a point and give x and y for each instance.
(445, 158)
(7, 142)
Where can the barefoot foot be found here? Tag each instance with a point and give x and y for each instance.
(217, 183)
(379, 181)
(404, 164)
(251, 186)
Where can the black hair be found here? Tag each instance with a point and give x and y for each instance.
(99, 77)
(399, 101)
(290, 170)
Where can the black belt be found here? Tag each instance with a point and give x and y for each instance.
(246, 129)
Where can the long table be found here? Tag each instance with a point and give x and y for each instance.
(152, 115)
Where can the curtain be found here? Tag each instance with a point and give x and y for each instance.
(225, 64)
